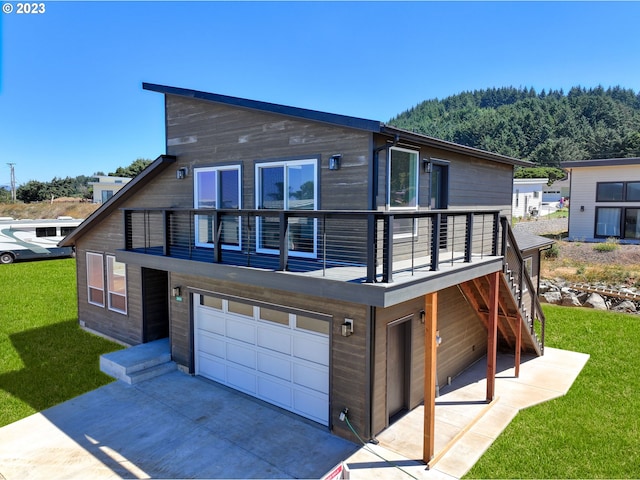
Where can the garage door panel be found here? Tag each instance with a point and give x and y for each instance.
(211, 322)
(275, 366)
(311, 348)
(274, 338)
(311, 405)
(211, 344)
(275, 392)
(212, 368)
(240, 330)
(241, 355)
(310, 377)
(241, 379)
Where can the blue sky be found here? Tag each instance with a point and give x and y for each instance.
(71, 98)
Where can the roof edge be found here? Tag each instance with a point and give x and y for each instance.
(332, 118)
(157, 166)
(601, 162)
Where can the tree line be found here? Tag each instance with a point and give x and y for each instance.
(546, 128)
(75, 187)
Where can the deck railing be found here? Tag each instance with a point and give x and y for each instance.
(378, 245)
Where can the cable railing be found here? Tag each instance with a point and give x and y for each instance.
(358, 246)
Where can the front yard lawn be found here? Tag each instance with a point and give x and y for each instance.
(45, 357)
(593, 431)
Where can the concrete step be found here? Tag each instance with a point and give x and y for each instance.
(124, 363)
(142, 375)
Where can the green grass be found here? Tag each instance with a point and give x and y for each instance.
(593, 431)
(45, 357)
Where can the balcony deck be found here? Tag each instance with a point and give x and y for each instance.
(364, 260)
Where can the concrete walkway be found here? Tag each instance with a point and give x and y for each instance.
(178, 426)
(466, 425)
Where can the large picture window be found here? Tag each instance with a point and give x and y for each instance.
(287, 185)
(618, 192)
(95, 279)
(217, 188)
(117, 284)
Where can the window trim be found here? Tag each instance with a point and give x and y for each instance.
(620, 223)
(416, 176)
(89, 276)
(625, 192)
(110, 259)
(216, 169)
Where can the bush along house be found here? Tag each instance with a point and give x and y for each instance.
(315, 261)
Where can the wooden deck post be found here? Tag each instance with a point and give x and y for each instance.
(430, 347)
(492, 340)
(518, 345)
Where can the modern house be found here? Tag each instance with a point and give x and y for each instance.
(313, 260)
(106, 186)
(605, 199)
(527, 196)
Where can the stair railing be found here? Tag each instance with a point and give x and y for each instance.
(525, 291)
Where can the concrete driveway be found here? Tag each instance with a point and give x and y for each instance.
(172, 426)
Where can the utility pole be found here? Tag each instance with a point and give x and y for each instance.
(13, 182)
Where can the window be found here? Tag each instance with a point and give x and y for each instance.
(217, 188)
(95, 279)
(632, 223)
(403, 178)
(608, 221)
(64, 231)
(633, 192)
(46, 232)
(439, 195)
(117, 283)
(289, 185)
(610, 192)
(106, 195)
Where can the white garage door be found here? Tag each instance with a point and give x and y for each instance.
(279, 357)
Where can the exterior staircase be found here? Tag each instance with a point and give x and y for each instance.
(141, 362)
(521, 322)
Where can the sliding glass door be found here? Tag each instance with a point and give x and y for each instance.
(287, 185)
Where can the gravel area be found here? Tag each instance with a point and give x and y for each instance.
(543, 226)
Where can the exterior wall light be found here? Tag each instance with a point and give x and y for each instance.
(334, 161)
(347, 327)
(426, 165)
(181, 173)
(582, 208)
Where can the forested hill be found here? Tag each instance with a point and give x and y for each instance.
(546, 128)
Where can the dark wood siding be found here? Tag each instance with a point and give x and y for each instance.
(105, 238)
(464, 340)
(349, 384)
(202, 134)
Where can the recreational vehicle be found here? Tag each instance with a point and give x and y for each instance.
(31, 239)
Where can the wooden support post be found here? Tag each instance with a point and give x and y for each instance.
(492, 340)
(430, 327)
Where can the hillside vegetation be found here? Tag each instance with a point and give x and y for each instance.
(40, 210)
(545, 128)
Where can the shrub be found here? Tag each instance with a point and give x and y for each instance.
(609, 246)
(552, 252)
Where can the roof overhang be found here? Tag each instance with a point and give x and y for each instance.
(158, 165)
(603, 162)
(373, 126)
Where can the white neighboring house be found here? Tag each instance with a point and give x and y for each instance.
(556, 191)
(605, 199)
(105, 187)
(527, 196)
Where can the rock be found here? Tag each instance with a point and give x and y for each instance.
(596, 302)
(626, 306)
(570, 299)
(552, 297)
